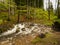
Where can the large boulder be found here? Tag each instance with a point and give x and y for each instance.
(56, 26)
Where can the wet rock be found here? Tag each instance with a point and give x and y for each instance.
(23, 29)
(18, 29)
(31, 24)
(42, 35)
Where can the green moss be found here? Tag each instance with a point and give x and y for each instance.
(36, 40)
(43, 40)
(1, 21)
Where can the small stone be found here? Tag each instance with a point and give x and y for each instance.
(42, 35)
(23, 29)
(31, 24)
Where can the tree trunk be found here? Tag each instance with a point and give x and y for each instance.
(49, 9)
(58, 9)
(18, 14)
(9, 12)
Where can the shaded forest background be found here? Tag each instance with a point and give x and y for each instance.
(17, 11)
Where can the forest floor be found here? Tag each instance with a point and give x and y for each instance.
(27, 40)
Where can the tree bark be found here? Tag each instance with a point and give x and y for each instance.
(49, 9)
(58, 9)
(18, 14)
(9, 11)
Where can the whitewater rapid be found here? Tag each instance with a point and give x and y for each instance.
(26, 29)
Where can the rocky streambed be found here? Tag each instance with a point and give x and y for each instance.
(27, 28)
(23, 31)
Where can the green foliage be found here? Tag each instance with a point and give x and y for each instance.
(57, 20)
(2, 6)
(40, 14)
(32, 14)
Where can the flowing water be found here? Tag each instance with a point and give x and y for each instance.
(27, 28)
